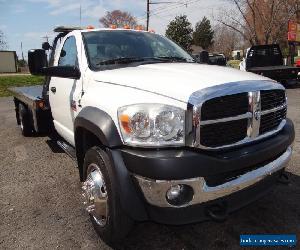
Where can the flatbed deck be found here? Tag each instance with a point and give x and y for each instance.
(270, 68)
(28, 95)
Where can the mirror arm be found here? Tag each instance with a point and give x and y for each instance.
(62, 71)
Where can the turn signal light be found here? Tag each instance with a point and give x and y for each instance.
(125, 123)
(40, 104)
(139, 27)
(90, 27)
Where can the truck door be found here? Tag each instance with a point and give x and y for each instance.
(64, 93)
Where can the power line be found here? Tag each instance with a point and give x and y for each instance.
(155, 3)
(172, 6)
(210, 7)
(176, 7)
(144, 16)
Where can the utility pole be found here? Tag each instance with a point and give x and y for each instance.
(22, 51)
(148, 14)
(148, 9)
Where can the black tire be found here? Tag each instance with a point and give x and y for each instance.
(118, 224)
(25, 121)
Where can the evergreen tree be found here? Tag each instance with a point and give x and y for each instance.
(203, 34)
(181, 32)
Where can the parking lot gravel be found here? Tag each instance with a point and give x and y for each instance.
(41, 205)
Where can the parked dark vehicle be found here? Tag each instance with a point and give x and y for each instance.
(267, 60)
(210, 58)
(217, 59)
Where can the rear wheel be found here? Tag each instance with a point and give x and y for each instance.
(25, 120)
(102, 198)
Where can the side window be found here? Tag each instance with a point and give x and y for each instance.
(68, 54)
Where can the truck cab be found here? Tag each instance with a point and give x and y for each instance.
(155, 135)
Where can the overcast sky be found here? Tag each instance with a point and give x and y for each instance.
(28, 21)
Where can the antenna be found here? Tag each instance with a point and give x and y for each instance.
(46, 37)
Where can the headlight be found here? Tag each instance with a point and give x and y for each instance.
(152, 125)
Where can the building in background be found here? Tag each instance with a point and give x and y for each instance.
(8, 62)
(237, 54)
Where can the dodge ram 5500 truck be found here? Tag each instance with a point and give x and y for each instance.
(155, 135)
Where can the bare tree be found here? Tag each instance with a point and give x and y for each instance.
(3, 43)
(118, 18)
(226, 40)
(260, 21)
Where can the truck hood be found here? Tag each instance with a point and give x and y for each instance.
(175, 80)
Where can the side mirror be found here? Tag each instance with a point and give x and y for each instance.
(46, 46)
(37, 60)
(63, 72)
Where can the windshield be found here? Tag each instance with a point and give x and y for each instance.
(112, 48)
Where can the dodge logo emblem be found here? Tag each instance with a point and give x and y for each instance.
(257, 115)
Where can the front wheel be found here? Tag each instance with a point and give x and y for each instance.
(102, 198)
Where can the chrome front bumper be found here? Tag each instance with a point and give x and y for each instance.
(155, 190)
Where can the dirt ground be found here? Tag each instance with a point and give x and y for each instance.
(41, 206)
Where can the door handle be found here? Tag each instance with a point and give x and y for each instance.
(53, 90)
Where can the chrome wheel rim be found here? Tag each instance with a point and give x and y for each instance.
(21, 125)
(95, 193)
(21, 122)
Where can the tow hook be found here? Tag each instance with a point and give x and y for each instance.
(218, 212)
(284, 178)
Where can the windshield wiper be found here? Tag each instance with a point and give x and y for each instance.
(127, 60)
(172, 58)
(121, 60)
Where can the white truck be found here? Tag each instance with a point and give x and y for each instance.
(155, 135)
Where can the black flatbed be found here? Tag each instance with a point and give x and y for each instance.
(270, 68)
(28, 95)
(286, 75)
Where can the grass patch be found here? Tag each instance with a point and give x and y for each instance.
(17, 81)
(234, 63)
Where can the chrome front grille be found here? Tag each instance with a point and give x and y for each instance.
(224, 106)
(271, 99)
(222, 121)
(272, 120)
(219, 134)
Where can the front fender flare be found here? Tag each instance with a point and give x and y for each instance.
(100, 124)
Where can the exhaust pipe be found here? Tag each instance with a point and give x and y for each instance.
(217, 212)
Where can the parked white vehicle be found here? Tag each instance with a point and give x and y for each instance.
(242, 65)
(156, 136)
